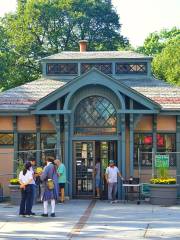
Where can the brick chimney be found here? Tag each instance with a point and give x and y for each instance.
(83, 45)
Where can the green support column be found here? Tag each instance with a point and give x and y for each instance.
(58, 137)
(178, 154)
(119, 155)
(67, 162)
(123, 143)
(15, 143)
(38, 140)
(131, 137)
(154, 141)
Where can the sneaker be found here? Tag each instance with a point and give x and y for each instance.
(27, 215)
(44, 215)
(53, 215)
(22, 215)
(32, 213)
(112, 202)
(98, 196)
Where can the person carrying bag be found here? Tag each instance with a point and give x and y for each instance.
(50, 181)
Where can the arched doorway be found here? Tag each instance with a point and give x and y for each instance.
(94, 116)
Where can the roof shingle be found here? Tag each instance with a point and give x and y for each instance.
(96, 55)
(22, 97)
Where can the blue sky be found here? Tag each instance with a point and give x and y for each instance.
(138, 17)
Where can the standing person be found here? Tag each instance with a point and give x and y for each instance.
(97, 172)
(33, 163)
(25, 179)
(112, 173)
(48, 175)
(61, 170)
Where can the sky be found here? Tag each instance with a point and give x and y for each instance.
(137, 17)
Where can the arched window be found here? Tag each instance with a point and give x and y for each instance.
(95, 115)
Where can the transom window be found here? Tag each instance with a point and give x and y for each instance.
(6, 139)
(124, 68)
(95, 115)
(103, 67)
(61, 68)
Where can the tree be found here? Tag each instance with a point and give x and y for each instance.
(166, 65)
(44, 27)
(156, 41)
(165, 48)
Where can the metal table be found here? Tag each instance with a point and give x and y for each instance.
(128, 190)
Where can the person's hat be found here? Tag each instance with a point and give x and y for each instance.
(111, 161)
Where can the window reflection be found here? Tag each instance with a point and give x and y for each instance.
(27, 142)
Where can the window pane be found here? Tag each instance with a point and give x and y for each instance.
(143, 142)
(61, 68)
(95, 115)
(166, 142)
(27, 142)
(6, 139)
(103, 67)
(48, 145)
(126, 68)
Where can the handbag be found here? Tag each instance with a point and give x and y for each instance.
(50, 183)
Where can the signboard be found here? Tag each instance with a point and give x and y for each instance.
(162, 161)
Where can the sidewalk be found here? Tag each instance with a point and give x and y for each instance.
(85, 219)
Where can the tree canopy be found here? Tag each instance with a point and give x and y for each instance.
(43, 27)
(165, 48)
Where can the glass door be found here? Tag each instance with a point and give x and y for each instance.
(105, 150)
(83, 169)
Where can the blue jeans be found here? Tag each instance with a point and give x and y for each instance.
(33, 195)
(26, 195)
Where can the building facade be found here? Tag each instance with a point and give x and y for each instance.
(89, 106)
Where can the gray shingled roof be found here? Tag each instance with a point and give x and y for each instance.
(96, 55)
(22, 97)
(166, 95)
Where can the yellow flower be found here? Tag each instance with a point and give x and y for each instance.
(163, 181)
(14, 181)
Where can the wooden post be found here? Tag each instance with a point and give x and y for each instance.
(154, 139)
(67, 158)
(178, 153)
(15, 143)
(131, 128)
(38, 140)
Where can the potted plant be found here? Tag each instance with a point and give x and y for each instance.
(163, 189)
(15, 192)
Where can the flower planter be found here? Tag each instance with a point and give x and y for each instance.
(15, 194)
(163, 194)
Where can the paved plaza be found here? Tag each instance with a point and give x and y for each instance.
(85, 219)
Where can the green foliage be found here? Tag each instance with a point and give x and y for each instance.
(165, 47)
(20, 167)
(157, 41)
(44, 27)
(166, 65)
